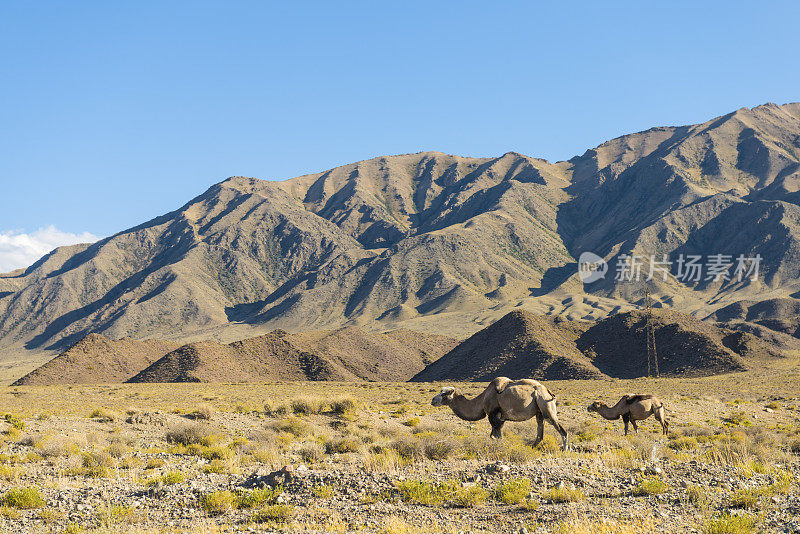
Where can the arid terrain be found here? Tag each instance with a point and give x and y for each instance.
(436, 243)
(377, 457)
(239, 364)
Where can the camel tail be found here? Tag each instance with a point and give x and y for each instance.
(552, 395)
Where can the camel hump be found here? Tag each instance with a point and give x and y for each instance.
(500, 383)
(630, 399)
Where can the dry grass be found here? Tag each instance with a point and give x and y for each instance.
(730, 524)
(393, 429)
(197, 434)
(23, 498)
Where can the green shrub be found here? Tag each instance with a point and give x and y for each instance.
(323, 491)
(342, 446)
(438, 449)
(343, 406)
(312, 453)
(95, 464)
(586, 434)
(513, 491)
(413, 422)
(417, 492)
(408, 449)
(198, 434)
(744, 498)
(469, 497)
(307, 406)
(293, 426)
(258, 497)
(154, 463)
(14, 421)
(276, 513)
(682, 443)
(275, 411)
(9, 513)
(697, 495)
(117, 450)
(7, 473)
(203, 412)
(23, 498)
(103, 415)
(216, 466)
(218, 502)
(650, 486)
(737, 419)
(168, 479)
(213, 453)
(730, 524)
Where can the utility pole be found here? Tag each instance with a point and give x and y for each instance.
(652, 355)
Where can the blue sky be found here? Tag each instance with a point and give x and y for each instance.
(113, 113)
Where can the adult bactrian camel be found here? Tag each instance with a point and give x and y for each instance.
(633, 408)
(506, 400)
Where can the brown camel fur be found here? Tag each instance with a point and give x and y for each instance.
(506, 400)
(633, 408)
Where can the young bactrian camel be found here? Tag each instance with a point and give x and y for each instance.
(633, 408)
(506, 400)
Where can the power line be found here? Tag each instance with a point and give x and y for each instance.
(652, 355)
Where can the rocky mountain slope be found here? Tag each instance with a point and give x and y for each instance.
(778, 314)
(344, 354)
(523, 345)
(431, 242)
(98, 360)
(520, 345)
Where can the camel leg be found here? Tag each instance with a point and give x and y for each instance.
(560, 429)
(496, 420)
(539, 430)
(659, 413)
(626, 418)
(633, 423)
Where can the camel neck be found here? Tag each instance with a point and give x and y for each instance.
(607, 412)
(467, 409)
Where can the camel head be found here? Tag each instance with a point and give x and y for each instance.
(444, 397)
(594, 407)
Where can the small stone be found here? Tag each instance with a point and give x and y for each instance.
(498, 468)
(523, 530)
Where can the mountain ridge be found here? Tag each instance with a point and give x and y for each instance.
(430, 242)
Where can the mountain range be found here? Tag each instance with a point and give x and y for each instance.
(435, 243)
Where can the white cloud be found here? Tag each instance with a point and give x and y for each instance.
(18, 249)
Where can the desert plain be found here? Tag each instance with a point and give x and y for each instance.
(377, 457)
